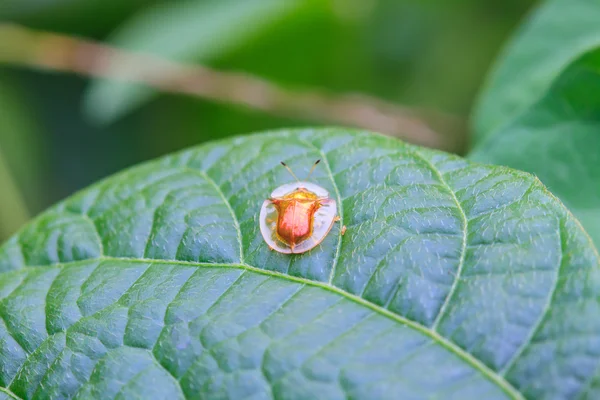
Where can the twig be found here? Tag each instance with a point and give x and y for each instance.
(43, 50)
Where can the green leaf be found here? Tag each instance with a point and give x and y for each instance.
(557, 139)
(453, 280)
(557, 34)
(188, 31)
(541, 111)
(21, 163)
(13, 212)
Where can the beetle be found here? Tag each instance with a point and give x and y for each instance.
(297, 216)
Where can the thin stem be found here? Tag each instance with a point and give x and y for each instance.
(43, 50)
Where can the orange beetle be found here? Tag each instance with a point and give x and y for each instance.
(297, 216)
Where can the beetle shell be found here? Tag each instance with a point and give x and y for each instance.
(323, 219)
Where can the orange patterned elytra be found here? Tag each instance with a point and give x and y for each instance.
(297, 216)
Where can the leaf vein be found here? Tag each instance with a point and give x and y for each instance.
(538, 323)
(461, 262)
(217, 188)
(488, 373)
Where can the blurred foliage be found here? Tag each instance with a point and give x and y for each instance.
(19, 160)
(189, 31)
(21, 141)
(425, 53)
(13, 213)
(540, 111)
(557, 34)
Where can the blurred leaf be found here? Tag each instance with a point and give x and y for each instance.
(14, 9)
(156, 283)
(89, 17)
(21, 161)
(556, 34)
(558, 139)
(541, 113)
(19, 136)
(411, 39)
(181, 31)
(13, 212)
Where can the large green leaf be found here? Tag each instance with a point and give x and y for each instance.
(541, 111)
(187, 31)
(453, 280)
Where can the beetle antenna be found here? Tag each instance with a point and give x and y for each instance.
(290, 171)
(313, 168)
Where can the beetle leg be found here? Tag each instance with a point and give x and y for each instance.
(271, 248)
(343, 230)
(337, 218)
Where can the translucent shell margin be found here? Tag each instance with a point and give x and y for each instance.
(324, 219)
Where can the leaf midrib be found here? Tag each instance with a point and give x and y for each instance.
(9, 393)
(488, 373)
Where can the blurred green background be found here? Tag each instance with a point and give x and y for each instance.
(61, 132)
